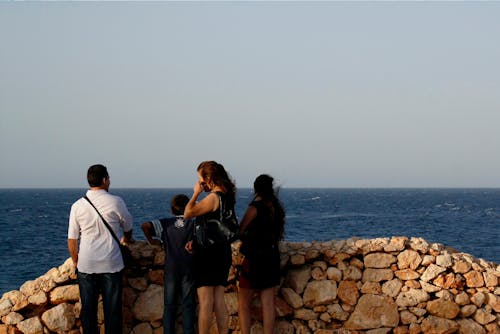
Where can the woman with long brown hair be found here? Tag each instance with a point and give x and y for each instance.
(211, 262)
(261, 229)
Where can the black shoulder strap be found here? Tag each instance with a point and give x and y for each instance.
(103, 220)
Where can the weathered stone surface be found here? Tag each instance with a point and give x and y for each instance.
(60, 318)
(478, 299)
(431, 272)
(467, 310)
(474, 279)
(407, 274)
(392, 288)
(5, 306)
(409, 259)
(12, 318)
(297, 279)
(461, 267)
(377, 275)
(292, 298)
(334, 274)
(435, 325)
(373, 311)
(337, 312)
(396, 244)
(231, 300)
(407, 317)
(305, 314)
(462, 299)
(149, 304)
(142, 328)
(483, 317)
(469, 326)
(348, 292)
(373, 288)
(419, 245)
(282, 308)
(65, 293)
(352, 273)
(412, 297)
(31, 326)
(320, 293)
(493, 301)
(39, 298)
(379, 260)
(444, 260)
(443, 308)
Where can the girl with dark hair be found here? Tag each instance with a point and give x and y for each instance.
(261, 230)
(211, 263)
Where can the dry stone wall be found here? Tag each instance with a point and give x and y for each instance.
(389, 285)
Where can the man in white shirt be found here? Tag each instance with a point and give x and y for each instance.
(98, 259)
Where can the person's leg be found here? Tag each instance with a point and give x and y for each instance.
(111, 288)
(206, 303)
(170, 287)
(221, 315)
(89, 296)
(188, 304)
(244, 301)
(268, 309)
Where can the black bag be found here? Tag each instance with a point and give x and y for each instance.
(126, 253)
(217, 231)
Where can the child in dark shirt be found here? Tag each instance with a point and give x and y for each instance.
(174, 233)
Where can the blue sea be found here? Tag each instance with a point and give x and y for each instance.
(33, 222)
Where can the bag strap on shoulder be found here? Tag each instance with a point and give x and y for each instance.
(103, 220)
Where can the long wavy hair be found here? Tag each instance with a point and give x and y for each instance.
(218, 176)
(264, 187)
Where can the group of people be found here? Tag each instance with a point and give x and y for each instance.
(191, 268)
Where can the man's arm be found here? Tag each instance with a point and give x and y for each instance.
(149, 233)
(73, 250)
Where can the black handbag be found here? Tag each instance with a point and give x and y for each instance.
(126, 253)
(217, 231)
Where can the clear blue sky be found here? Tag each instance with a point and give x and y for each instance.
(323, 94)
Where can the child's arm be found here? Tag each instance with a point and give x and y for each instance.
(149, 233)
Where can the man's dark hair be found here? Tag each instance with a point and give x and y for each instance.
(96, 174)
(178, 203)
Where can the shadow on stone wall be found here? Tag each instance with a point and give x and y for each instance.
(388, 285)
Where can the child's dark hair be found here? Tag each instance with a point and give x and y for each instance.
(178, 203)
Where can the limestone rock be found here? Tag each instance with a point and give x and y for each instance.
(12, 318)
(373, 311)
(292, 298)
(435, 325)
(467, 310)
(461, 267)
(379, 260)
(305, 314)
(412, 297)
(297, 279)
(231, 300)
(431, 272)
(469, 326)
(60, 318)
(443, 308)
(483, 317)
(64, 294)
(396, 244)
(444, 260)
(5, 306)
(409, 259)
(348, 292)
(334, 274)
(352, 273)
(149, 304)
(474, 279)
(320, 293)
(31, 326)
(392, 288)
(142, 328)
(419, 245)
(377, 275)
(407, 274)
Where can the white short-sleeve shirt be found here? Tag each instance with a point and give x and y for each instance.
(99, 252)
